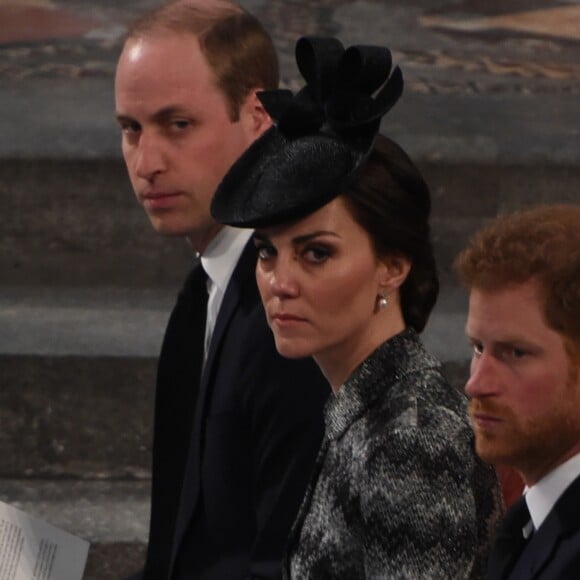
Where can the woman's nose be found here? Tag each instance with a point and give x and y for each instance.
(283, 280)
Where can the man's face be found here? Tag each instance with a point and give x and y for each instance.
(178, 140)
(525, 400)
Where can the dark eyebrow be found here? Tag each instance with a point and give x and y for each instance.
(299, 240)
(308, 237)
(260, 237)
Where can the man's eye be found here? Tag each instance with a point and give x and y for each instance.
(477, 348)
(180, 124)
(130, 128)
(516, 353)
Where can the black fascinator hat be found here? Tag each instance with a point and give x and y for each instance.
(320, 138)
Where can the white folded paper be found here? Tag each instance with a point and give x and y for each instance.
(31, 549)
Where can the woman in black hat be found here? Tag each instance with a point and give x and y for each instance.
(347, 275)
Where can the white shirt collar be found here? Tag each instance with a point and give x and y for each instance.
(542, 496)
(222, 254)
(219, 262)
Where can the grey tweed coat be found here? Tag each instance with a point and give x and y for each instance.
(398, 491)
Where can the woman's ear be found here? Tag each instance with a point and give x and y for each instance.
(394, 271)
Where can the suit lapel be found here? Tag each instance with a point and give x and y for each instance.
(563, 519)
(242, 280)
(178, 375)
(508, 542)
(538, 551)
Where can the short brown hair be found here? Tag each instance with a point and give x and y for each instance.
(541, 244)
(237, 47)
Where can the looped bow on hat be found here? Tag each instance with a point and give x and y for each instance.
(340, 88)
(322, 135)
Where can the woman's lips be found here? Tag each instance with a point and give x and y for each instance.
(283, 319)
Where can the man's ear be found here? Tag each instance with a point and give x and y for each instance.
(254, 115)
(394, 271)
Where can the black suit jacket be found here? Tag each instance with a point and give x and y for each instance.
(233, 450)
(552, 553)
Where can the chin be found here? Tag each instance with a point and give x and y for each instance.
(168, 228)
(496, 452)
(292, 349)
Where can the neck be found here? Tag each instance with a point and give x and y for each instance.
(199, 241)
(338, 362)
(532, 475)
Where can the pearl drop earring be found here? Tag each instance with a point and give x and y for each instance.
(383, 301)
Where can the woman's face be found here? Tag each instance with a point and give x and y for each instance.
(319, 279)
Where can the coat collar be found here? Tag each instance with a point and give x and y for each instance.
(387, 365)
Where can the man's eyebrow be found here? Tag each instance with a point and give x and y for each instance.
(169, 111)
(160, 115)
(503, 342)
(122, 118)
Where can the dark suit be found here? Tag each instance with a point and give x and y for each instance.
(552, 552)
(233, 451)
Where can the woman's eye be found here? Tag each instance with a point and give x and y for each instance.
(316, 254)
(265, 252)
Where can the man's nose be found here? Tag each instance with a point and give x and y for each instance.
(150, 160)
(483, 380)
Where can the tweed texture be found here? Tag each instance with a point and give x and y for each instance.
(398, 491)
